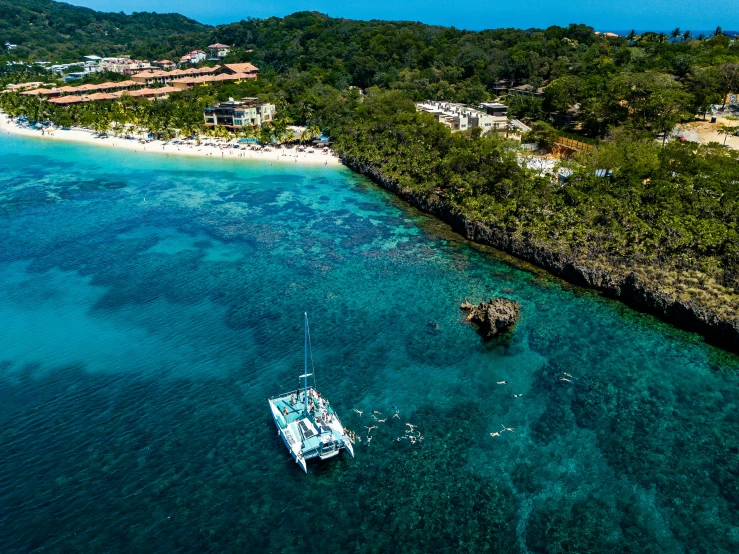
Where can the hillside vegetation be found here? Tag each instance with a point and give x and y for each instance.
(59, 32)
(665, 219)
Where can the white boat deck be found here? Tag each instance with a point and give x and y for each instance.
(315, 434)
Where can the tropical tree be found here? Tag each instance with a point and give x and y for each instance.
(727, 130)
(729, 73)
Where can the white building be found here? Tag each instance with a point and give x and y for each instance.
(9, 46)
(91, 63)
(459, 117)
(193, 57)
(125, 66)
(219, 50)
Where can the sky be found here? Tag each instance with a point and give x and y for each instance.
(697, 15)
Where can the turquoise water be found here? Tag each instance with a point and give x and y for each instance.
(149, 305)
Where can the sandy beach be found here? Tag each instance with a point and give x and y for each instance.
(217, 150)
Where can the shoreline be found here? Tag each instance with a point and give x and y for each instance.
(86, 136)
(622, 285)
(625, 287)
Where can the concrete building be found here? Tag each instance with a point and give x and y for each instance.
(91, 63)
(459, 117)
(494, 108)
(237, 114)
(124, 66)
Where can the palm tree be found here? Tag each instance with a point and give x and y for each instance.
(686, 36)
(315, 131)
(675, 33)
(305, 111)
(727, 130)
(718, 32)
(630, 37)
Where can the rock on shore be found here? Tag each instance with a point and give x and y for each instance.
(493, 317)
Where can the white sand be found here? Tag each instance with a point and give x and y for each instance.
(84, 135)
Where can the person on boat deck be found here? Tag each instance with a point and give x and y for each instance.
(292, 399)
(284, 411)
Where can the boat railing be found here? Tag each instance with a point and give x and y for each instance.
(287, 394)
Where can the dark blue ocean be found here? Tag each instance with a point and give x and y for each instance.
(149, 305)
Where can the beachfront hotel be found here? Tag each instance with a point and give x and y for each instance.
(144, 84)
(237, 114)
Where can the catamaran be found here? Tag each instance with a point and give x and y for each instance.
(305, 420)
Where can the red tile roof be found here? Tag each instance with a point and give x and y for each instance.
(242, 67)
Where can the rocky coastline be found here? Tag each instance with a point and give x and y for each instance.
(620, 284)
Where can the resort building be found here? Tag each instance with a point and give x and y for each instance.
(218, 50)
(23, 86)
(91, 63)
(125, 66)
(494, 108)
(235, 115)
(168, 82)
(166, 65)
(187, 78)
(459, 117)
(190, 82)
(83, 96)
(193, 57)
(165, 77)
(65, 92)
(245, 68)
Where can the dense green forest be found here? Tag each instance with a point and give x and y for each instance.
(59, 32)
(666, 212)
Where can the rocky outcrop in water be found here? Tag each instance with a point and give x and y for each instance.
(492, 317)
(616, 281)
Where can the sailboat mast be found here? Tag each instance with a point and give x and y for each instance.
(305, 360)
